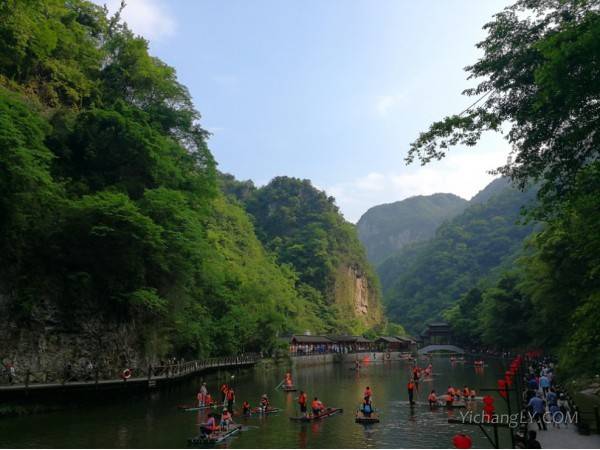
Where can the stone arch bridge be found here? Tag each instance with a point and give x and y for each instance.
(441, 348)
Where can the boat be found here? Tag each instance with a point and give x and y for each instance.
(199, 408)
(290, 388)
(216, 436)
(328, 412)
(261, 411)
(361, 418)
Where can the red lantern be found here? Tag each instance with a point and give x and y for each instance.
(502, 388)
(508, 378)
(488, 408)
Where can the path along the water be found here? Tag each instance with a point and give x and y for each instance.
(565, 437)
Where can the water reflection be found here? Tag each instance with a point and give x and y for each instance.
(153, 420)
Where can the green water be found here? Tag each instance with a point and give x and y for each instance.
(152, 420)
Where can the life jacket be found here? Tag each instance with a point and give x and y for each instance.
(226, 416)
(466, 392)
(315, 404)
(245, 405)
(230, 395)
(211, 423)
(432, 397)
(411, 386)
(302, 399)
(208, 399)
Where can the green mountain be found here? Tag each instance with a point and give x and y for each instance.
(386, 229)
(425, 278)
(119, 241)
(303, 227)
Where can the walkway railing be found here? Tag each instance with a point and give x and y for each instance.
(24, 379)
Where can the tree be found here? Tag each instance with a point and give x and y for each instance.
(540, 78)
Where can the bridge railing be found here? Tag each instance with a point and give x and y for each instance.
(94, 375)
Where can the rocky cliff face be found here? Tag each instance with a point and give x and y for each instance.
(48, 343)
(357, 296)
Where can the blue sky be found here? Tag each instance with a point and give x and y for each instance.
(329, 90)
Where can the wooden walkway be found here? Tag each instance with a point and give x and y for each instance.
(152, 376)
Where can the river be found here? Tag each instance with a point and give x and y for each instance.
(152, 420)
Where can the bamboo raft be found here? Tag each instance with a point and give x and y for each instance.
(216, 436)
(328, 412)
(361, 418)
(199, 408)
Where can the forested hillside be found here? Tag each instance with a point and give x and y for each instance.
(422, 280)
(386, 229)
(116, 243)
(305, 230)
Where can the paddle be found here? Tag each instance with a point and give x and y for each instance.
(279, 385)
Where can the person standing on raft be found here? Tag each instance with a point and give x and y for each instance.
(230, 398)
(302, 401)
(202, 395)
(411, 389)
(288, 379)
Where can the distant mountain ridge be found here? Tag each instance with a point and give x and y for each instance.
(386, 229)
(425, 278)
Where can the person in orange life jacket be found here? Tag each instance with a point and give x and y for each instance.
(230, 398)
(224, 389)
(288, 379)
(466, 393)
(208, 400)
(416, 373)
(450, 396)
(457, 394)
(246, 408)
(411, 389)
(226, 419)
(367, 394)
(317, 406)
(210, 426)
(432, 398)
(302, 400)
(428, 370)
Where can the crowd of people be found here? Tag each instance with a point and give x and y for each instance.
(544, 399)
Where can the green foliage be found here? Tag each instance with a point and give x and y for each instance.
(424, 279)
(540, 76)
(110, 209)
(304, 229)
(386, 229)
(552, 301)
(50, 48)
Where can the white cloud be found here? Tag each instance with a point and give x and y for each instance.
(149, 18)
(463, 173)
(385, 103)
